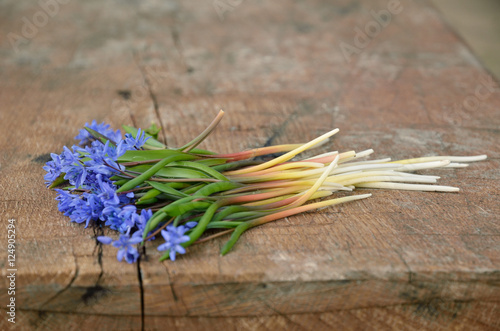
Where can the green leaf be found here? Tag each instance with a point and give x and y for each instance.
(201, 151)
(152, 171)
(170, 172)
(116, 177)
(120, 182)
(235, 165)
(59, 180)
(228, 211)
(222, 225)
(194, 188)
(147, 201)
(153, 193)
(187, 207)
(166, 188)
(216, 187)
(211, 162)
(135, 156)
(201, 167)
(153, 130)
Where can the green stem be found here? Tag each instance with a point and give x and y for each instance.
(222, 225)
(200, 228)
(196, 141)
(153, 170)
(285, 213)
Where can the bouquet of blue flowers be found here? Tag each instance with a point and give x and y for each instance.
(140, 188)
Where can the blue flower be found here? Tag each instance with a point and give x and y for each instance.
(66, 204)
(81, 165)
(174, 237)
(67, 161)
(115, 214)
(119, 219)
(69, 164)
(53, 169)
(95, 205)
(76, 174)
(103, 203)
(103, 128)
(79, 208)
(89, 168)
(82, 212)
(138, 141)
(73, 167)
(102, 158)
(125, 245)
(141, 220)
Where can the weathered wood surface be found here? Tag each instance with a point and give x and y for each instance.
(397, 260)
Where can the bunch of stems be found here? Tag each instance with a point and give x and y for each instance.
(235, 192)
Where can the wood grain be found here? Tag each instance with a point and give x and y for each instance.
(397, 260)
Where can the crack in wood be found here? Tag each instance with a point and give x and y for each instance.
(97, 291)
(64, 289)
(174, 32)
(304, 107)
(141, 288)
(410, 273)
(278, 131)
(42, 159)
(152, 95)
(176, 297)
(277, 312)
(98, 231)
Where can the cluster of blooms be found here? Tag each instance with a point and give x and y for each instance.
(192, 190)
(92, 195)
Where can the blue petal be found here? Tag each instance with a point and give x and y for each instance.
(120, 254)
(183, 239)
(133, 241)
(180, 249)
(166, 235)
(105, 240)
(191, 224)
(163, 247)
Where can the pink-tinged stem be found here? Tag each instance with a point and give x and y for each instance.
(297, 166)
(304, 197)
(304, 208)
(261, 196)
(278, 203)
(285, 157)
(329, 158)
(196, 141)
(270, 184)
(199, 241)
(289, 212)
(182, 180)
(282, 175)
(255, 152)
(298, 199)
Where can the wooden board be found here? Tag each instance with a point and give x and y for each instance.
(397, 260)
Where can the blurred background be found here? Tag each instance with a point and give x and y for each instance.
(478, 22)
